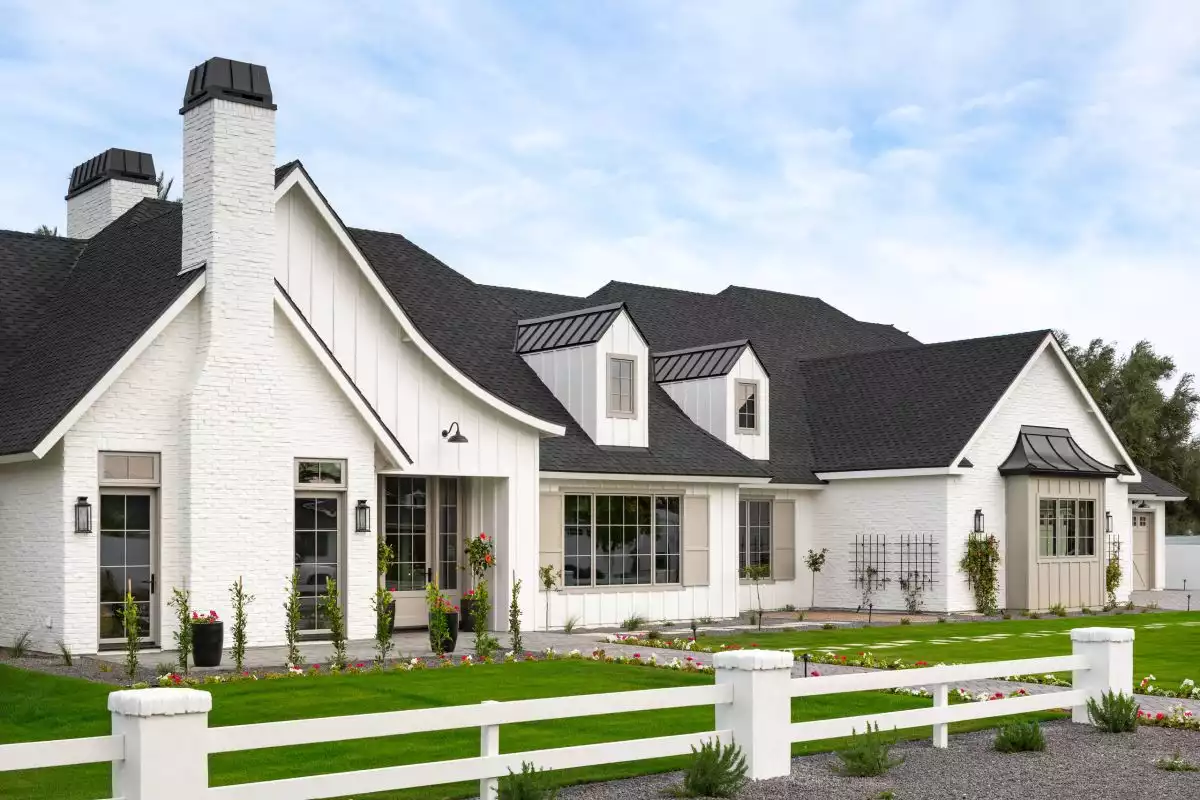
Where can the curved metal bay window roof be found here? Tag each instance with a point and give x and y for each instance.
(1052, 451)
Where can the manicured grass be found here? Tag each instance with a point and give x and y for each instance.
(35, 706)
(1170, 653)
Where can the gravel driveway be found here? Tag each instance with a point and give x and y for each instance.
(1079, 763)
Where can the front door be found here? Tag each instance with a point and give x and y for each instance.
(1143, 525)
(421, 519)
(127, 562)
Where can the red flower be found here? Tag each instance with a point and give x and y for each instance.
(483, 537)
(316, 666)
(1160, 715)
(360, 665)
(637, 655)
(194, 615)
(815, 674)
(754, 644)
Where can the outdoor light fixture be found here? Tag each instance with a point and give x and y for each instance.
(1143, 504)
(83, 516)
(362, 517)
(978, 521)
(1108, 522)
(456, 437)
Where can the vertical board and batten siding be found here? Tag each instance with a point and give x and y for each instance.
(706, 401)
(709, 533)
(791, 537)
(571, 375)
(412, 396)
(1046, 396)
(752, 445)
(622, 339)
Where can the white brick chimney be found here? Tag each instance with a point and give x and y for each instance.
(237, 493)
(105, 187)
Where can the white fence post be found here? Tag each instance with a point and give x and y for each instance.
(941, 731)
(166, 748)
(489, 745)
(1109, 652)
(760, 715)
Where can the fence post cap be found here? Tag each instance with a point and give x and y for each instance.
(1102, 634)
(751, 660)
(159, 702)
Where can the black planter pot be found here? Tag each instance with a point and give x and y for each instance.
(452, 639)
(468, 621)
(207, 640)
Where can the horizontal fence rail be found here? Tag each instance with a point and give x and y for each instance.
(466, 769)
(932, 676)
(444, 718)
(61, 752)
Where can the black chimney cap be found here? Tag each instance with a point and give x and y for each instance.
(125, 165)
(221, 78)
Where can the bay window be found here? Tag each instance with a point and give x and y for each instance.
(1066, 528)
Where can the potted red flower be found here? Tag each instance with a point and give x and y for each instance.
(443, 620)
(208, 638)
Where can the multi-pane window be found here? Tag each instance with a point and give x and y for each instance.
(448, 533)
(326, 473)
(746, 405)
(1066, 528)
(125, 559)
(617, 540)
(620, 387)
(316, 547)
(405, 527)
(754, 533)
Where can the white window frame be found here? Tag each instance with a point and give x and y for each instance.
(155, 480)
(1059, 536)
(592, 586)
(770, 551)
(318, 486)
(756, 388)
(633, 386)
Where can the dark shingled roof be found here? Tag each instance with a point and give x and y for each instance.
(1152, 484)
(33, 270)
(1052, 451)
(123, 279)
(566, 329)
(697, 362)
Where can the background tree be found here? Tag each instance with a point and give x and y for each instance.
(1150, 411)
(163, 184)
(46, 230)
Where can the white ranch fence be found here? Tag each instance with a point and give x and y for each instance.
(161, 740)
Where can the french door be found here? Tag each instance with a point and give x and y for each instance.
(128, 544)
(318, 547)
(421, 523)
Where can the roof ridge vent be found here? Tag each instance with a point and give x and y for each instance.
(225, 79)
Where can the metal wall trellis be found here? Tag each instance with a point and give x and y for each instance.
(877, 560)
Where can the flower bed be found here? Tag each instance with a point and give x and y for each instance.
(1187, 689)
(687, 664)
(1175, 717)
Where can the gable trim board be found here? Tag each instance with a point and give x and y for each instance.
(1051, 343)
(299, 178)
(386, 439)
(109, 378)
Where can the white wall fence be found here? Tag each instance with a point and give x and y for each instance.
(161, 740)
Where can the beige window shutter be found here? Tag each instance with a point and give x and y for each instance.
(695, 541)
(551, 546)
(783, 540)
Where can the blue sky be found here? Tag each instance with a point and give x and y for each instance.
(956, 169)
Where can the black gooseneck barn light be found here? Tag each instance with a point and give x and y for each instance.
(456, 437)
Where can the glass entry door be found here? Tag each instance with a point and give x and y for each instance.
(317, 543)
(421, 525)
(127, 546)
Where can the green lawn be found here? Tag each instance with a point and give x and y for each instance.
(35, 706)
(1170, 653)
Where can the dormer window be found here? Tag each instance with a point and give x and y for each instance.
(621, 389)
(746, 406)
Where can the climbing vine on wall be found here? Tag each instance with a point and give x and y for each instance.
(981, 563)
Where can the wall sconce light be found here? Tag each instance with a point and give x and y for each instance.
(83, 516)
(362, 517)
(456, 437)
(1108, 522)
(979, 526)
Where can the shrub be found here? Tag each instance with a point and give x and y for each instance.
(570, 623)
(789, 607)
(1087, 612)
(20, 645)
(1112, 577)
(981, 562)
(799, 616)
(1058, 610)
(240, 599)
(335, 619)
(815, 561)
(528, 784)
(163, 668)
(634, 623)
(1020, 737)
(291, 629)
(942, 620)
(1117, 712)
(181, 602)
(548, 577)
(828, 626)
(133, 638)
(65, 652)
(1033, 615)
(514, 618)
(714, 771)
(1129, 606)
(707, 620)
(913, 590)
(868, 755)
(905, 621)
(1006, 615)
(381, 604)
(756, 574)
(1176, 763)
(439, 625)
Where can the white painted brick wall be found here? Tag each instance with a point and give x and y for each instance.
(92, 211)
(1046, 396)
(321, 423)
(32, 530)
(140, 412)
(237, 490)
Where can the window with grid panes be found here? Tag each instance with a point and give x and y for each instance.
(619, 540)
(754, 533)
